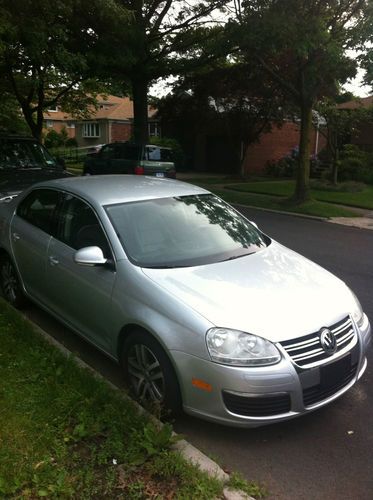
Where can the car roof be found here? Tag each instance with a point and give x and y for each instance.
(112, 189)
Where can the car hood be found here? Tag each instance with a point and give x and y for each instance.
(14, 181)
(274, 293)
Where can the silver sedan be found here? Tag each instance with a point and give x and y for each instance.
(203, 311)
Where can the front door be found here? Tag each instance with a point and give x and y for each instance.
(81, 295)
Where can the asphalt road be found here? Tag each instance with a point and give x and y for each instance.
(327, 454)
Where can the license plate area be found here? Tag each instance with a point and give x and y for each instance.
(332, 374)
(159, 174)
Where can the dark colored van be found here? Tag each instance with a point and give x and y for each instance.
(130, 158)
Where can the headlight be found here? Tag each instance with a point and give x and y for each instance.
(235, 348)
(357, 312)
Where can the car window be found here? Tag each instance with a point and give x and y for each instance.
(108, 152)
(79, 227)
(25, 154)
(155, 153)
(38, 208)
(183, 231)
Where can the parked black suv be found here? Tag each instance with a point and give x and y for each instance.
(23, 162)
(130, 158)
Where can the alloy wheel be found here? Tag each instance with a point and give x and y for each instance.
(145, 374)
(9, 282)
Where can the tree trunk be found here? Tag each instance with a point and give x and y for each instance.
(302, 187)
(36, 128)
(140, 110)
(335, 166)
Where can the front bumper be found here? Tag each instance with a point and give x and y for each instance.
(250, 397)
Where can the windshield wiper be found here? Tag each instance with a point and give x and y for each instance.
(236, 256)
(162, 267)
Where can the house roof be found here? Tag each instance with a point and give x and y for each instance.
(57, 115)
(359, 102)
(109, 107)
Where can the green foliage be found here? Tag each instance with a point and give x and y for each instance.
(236, 481)
(11, 120)
(71, 142)
(355, 165)
(301, 46)
(342, 187)
(47, 52)
(177, 150)
(53, 139)
(65, 433)
(362, 199)
(285, 167)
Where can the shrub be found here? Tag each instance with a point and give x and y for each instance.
(71, 142)
(355, 165)
(53, 139)
(169, 142)
(285, 167)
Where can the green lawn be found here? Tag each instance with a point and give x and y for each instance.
(65, 434)
(314, 208)
(362, 199)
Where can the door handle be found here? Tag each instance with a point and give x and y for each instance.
(53, 261)
(16, 237)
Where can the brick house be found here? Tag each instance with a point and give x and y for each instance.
(112, 121)
(277, 144)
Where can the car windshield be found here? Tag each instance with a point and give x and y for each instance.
(183, 231)
(19, 153)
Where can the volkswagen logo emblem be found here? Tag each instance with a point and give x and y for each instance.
(328, 341)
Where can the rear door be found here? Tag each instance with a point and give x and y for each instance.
(30, 233)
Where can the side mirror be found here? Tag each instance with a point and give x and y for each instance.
(90, 256)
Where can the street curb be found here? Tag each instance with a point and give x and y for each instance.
(330, 220)
(189, 452)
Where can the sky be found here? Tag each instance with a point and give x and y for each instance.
(357, 88)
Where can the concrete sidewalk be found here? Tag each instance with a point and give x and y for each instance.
(365, 222)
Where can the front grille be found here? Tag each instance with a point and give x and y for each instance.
(261, 406)
(319, 392)
(307, 350)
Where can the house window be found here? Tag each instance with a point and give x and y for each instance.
(154, 129)
(53, 109)
(49, 123)
(70, 124)
(91, 129)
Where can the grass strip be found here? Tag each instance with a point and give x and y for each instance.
(312, 207)
(362, 199)
(63, 433)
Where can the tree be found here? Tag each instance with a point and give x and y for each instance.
(160, 41)
(47, 53)
(11, 119)
(301, 45)
(226, 98)
(340, 124)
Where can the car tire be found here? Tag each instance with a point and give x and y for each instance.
(150, 376)
(10, 283)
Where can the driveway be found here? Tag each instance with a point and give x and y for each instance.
(325, 455)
